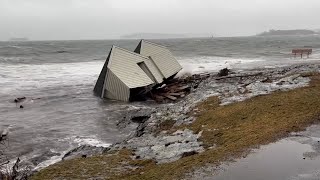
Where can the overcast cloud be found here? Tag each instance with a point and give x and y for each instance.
(102, 19)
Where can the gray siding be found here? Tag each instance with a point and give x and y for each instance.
(162, 58)
(145, 69)
(124, 65)
(115, 88)
(154, 70)
(98, 88)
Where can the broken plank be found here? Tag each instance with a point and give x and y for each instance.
(236, 76)
(184, 87)
(158, 98)
(174, 94)
(170, 97)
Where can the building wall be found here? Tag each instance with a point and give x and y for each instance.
(154, 70)
(98, 88)
(115, 88)
(162, 58)
(124, 65)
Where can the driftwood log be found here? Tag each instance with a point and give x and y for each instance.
(237, 76)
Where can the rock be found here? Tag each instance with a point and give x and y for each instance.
(84, 150)
(267, 80)
(190, 153)
(137, 115)
(140, 130)
(43, 157)
(4, 134)
(19, 99)
(139, 119)
(165, 148)
(224, 72)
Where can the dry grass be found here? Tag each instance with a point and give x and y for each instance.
(103, 166)
(234, 128)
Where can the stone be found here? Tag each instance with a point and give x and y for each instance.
(84, 150)
(43, 157)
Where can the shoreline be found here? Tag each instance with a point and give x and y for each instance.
(293, 157)
(170, 137)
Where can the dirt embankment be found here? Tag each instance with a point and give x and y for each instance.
(221, 120)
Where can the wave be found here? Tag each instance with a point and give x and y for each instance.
(79, 140)
(92, 141)
(50, 161)
(204, 64)
(30, 51)
(15, 78)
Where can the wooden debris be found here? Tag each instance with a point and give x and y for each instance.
(174, 89)
(170, 97)
(224, 72)
(174, 94)
(183, 87)
(241, 76)
(177, 88)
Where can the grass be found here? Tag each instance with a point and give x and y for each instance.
(233, 129)
(101, 166)
(166, 125)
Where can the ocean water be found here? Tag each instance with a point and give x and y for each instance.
(57, 78)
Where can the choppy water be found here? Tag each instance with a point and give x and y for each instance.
(57, 77)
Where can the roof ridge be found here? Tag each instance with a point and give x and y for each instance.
(126, 50)
(152, 43)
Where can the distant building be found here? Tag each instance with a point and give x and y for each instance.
(126, 75)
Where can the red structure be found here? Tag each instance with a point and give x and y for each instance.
(301, 52)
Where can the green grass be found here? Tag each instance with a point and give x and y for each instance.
(234, 129)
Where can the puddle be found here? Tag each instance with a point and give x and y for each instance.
(293, 158)
(285, 159)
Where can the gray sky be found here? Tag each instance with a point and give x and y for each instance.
(102, 19)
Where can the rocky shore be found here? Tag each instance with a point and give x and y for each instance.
(233, 88)
(162, 134)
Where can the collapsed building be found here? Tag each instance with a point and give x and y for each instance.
(128, 75)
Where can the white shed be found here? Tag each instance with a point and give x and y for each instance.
(126, 75)
(161, 56)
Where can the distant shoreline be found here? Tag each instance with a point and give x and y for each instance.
(296, 32)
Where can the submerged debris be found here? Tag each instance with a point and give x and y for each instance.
(84, 150)
(224, 72)
(19, 99)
